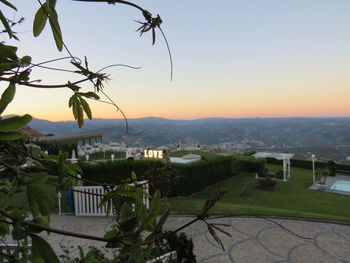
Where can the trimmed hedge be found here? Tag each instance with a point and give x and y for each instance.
(187, 178)
(196, 176)
(113, 172)
(307, 164)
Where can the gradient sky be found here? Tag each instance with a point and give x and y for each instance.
(251, 58)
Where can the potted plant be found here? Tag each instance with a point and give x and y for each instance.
(321, 175)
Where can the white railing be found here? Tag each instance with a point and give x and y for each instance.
(168, 257)
(88, 198)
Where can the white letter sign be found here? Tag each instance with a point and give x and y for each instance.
(158, 154)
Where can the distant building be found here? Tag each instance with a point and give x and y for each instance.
(188, 145)
(79, 139)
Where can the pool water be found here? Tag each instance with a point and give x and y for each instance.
(341, 186)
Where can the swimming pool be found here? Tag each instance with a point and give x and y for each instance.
(341, 186)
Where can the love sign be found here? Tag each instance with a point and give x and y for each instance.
(158, 154)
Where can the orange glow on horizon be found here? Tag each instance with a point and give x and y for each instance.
(264, 114)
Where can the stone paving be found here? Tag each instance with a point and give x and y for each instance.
(257, 240)
(253, 240)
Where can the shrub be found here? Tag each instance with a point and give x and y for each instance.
(321, 175)
(265, 183)
(331, 166)
(247, 164)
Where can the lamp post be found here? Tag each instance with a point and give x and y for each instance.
(59, 196)
(313, 166)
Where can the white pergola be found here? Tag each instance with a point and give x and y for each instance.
(279, 156)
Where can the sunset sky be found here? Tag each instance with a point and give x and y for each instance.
(251, 58)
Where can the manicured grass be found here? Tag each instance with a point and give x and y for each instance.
(205, 155)
(20, 199)
(292, 198)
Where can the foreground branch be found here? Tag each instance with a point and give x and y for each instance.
(59, 86)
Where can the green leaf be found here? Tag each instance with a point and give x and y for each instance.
(4, 229)
(86, 108)
(154, 211)
(221, 230)
(18, 232)
(51, 3)
(128, 224)
(214, 235)
(73, 87)
(32, 201)
(13, 123)
(25, 61)
(6, 66)
(18, 214)
(109, 207)
(7, 52)
(41, 220)
(10, 136)
(8, 4)
(80, 116)
(7, 97)
(133, 176)
(42, 249)
(162, 220)
(40, 20)
(81, 253)
(40, 178)
(86, 63)
(6, 25)
(159, 226)
(71, 100)
(75, 106)
(56, 30)
(111, 234)
(91, 95)
(38, 199)
(140, 208)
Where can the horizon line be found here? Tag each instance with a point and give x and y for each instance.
(194, 119)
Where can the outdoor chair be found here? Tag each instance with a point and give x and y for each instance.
(280, 175)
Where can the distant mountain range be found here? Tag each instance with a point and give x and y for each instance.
(279, 132)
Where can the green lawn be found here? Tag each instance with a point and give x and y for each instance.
(292, 198)
(21, 200)
(205, 155)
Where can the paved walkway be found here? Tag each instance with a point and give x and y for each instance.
(253, 240)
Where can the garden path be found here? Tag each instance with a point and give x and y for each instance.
(253, 240)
